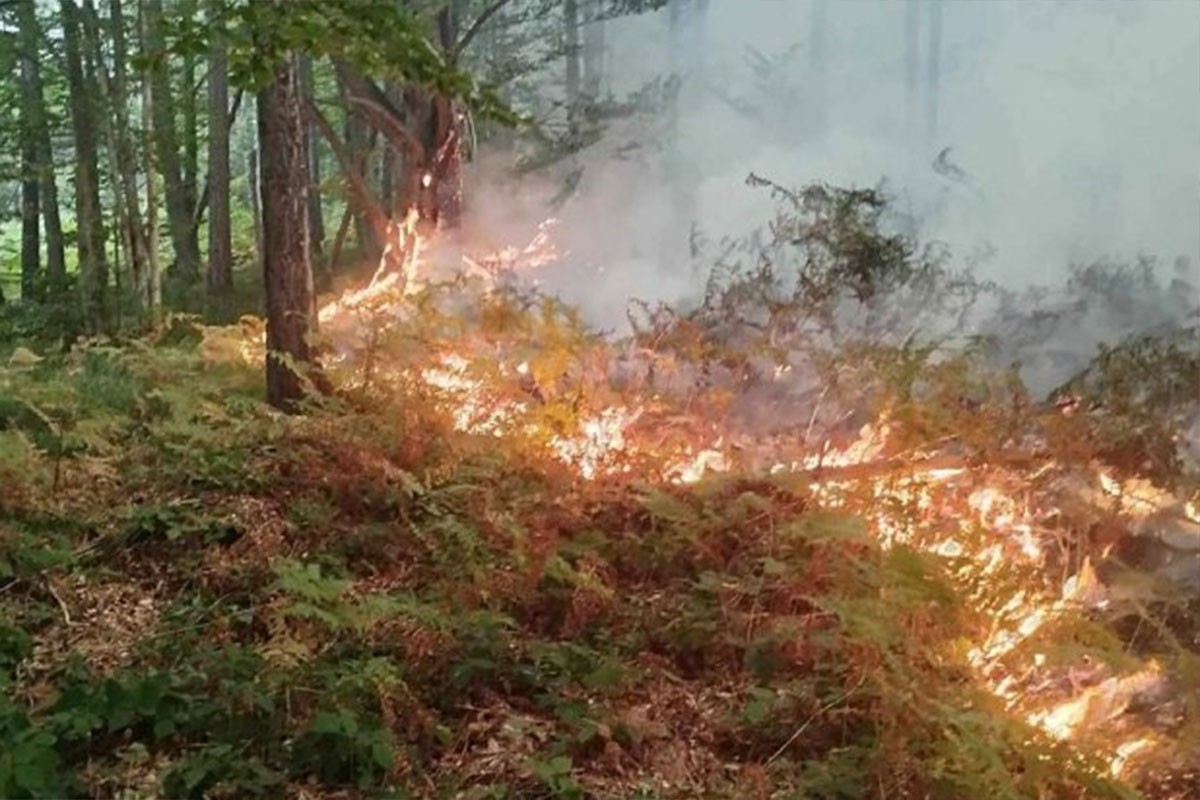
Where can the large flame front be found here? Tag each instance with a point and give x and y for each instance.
(1003, 526)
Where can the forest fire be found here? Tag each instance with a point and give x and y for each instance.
(983, 527)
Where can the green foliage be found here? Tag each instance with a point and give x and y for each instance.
(29, 761)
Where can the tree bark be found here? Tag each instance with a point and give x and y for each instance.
(31, 249)
(124, 213)
(316, 214)
(151, 287)
(220, 247)
(125, 154)
(93, 266)
(286, 268)
(31, 118)
(34, 121)
(254, 195)
(166, 142)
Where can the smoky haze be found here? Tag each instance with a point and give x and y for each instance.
(1073, 128)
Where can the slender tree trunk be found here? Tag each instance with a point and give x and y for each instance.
(286, 268)
(93, 266)
(220, 247)
(191, 134)
(593, 51)
(122, 147)
(254, 192)
(34, 122)
(151, 288)
(124, 215)
(316, 214)
(166, 141)
(31, 248)
(571, 25)
(358, 142)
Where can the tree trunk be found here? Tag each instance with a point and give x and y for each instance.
(93, 266)
(31, 249)
(220, 247)
(316, 214)
(124, 214)
(358, 143)
(34, 122)
(191, 131)
(151, 287)
(125, 157)
(571, 25)
(254, 193)
(593, 52)
(286, 267)
(166, 142)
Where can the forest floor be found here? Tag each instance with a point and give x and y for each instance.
(200, 597)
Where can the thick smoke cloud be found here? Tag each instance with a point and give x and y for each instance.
(1076, 126)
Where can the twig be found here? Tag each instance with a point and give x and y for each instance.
(62, 605)
(824, 707)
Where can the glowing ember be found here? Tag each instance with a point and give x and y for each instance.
(600, 444)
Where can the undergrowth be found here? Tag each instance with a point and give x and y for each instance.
(205, 599)
(415, 589)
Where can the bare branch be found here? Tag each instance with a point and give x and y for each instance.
(473, 31)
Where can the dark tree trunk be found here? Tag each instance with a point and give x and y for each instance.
(220, 248)
(31, 249)
(166, 141)
(286, 267)
(34, 122)
(93, 266)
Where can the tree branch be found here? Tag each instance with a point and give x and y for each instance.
(374, 105)
(473, 31)
(359, 190)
